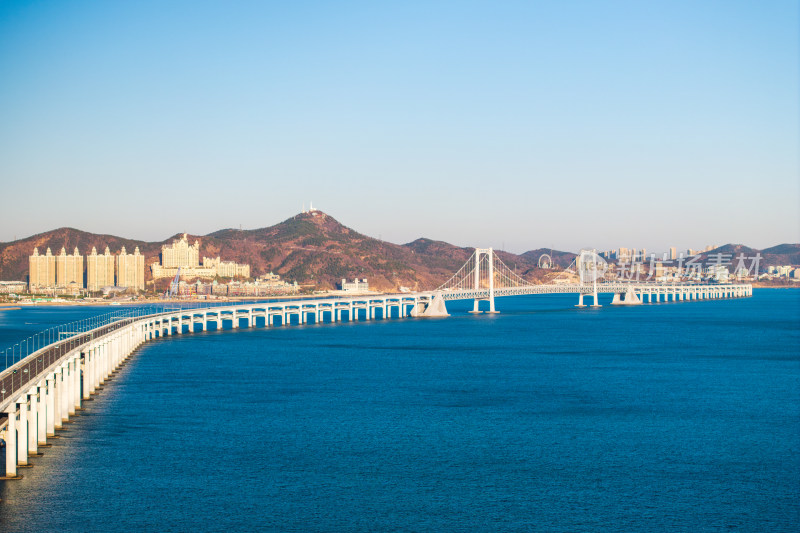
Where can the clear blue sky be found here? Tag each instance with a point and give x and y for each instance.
(528, 124)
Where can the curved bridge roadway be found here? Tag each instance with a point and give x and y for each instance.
(40, 392)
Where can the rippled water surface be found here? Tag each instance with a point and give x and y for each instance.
(672, 416)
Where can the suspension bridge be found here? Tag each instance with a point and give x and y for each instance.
(46, 383)
(484, 277)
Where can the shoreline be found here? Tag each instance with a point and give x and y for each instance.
(10, 306)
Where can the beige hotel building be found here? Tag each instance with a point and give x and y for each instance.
(130, 269)
(181, 254)
(69, 269)
(42, 270)
(99, 270)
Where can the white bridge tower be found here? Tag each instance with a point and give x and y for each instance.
(484, 277)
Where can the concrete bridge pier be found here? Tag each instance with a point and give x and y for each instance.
(11, 442)
(63, 396)
(580, 300)
(22, 431)
(69, 377)
(33, 423)
(57, 403)
(595, 304)
(51, 404)
(41, 414)
(102, 350)
(76, 383)
(87, 356)
(94, 365)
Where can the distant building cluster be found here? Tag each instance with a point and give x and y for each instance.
(12, 287)
(186, 257)
(266, 285)
(781, 272)
(65, 274)
(355, 286)
(634, 255)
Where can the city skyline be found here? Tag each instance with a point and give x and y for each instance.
(671, 248)
(534, 125)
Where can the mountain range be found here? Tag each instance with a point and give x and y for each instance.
(314, 248)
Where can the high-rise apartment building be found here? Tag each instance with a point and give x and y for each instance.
(181, 254)
(130, 270)
(227, 269)
(673, 253)
(69, 269)
(99, 270)
(42, 270)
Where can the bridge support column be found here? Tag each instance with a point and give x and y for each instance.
(63, 397)
(580, 300)
(594, 293)
(33, 423)
(41, 413)
(94, 377)
(76, 380)
(69, 376)
(11, 442)
(58, 391)
(51, 404)
(596, 303)
(102, 351)
(22, 431)
(205, 322)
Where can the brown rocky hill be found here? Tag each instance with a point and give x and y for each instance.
(316, 248)
(307, 248)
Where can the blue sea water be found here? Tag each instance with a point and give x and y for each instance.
(664, 417)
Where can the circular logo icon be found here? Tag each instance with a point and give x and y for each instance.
(591, 267)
